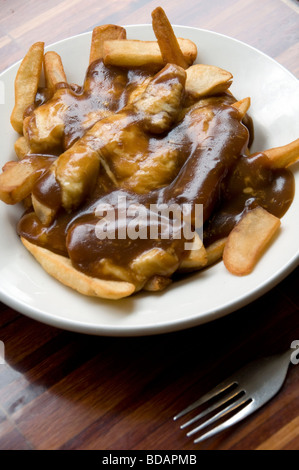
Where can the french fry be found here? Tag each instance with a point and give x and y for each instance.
(205, 80)
(61, 269)
(154, 262)
(17, 181)
(9, 165)
(103, 33)
(168, 43)
(22, 147)
(214, 251)
(27, 203)
(43, 212)
(26, 84)
(135, 53)
(196, 258)
(248, 240)
(242, 106)
(53, 69)
(281, 157)
(157, 283)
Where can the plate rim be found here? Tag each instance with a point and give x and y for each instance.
(149, 330)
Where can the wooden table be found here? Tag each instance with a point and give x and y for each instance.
(63, 390)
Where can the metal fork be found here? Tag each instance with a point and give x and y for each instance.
(238, 396)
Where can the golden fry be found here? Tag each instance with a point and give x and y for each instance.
(248, 240)
(242, 106)
(154, 262)
(43, 212)
(205, 80)
(22, 147)
(8, 165)
(215, 251)
(26, 84)
(167, 40)
(18, 179)
(61, 269)
(53, 68)
(281, 157)
(157, 283)
(103, 33)
(135, 53)
(196, 258)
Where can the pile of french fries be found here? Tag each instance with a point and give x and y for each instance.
(244, 246)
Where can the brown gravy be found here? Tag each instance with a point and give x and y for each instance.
(213, 171)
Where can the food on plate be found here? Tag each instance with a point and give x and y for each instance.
(136, 53)
(248, 239)
(22, 147)
(282, 157)
(167, 41)
(53, 69)
(142, 172)
(60, 267)
(26, 83)
(100, 36)
(18, 178)
(204, 80)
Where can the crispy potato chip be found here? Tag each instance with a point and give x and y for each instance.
(205, 80)
(248, 240)
(281, 157)
(53, 69)
(135, 53)
(62, 269)
(103, 33)
(17, 181)
(168, 43)
(26, 84)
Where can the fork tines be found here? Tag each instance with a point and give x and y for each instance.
(226, 401)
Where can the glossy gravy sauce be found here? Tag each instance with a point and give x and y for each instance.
(213, 170)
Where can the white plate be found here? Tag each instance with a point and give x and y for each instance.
(203, 296)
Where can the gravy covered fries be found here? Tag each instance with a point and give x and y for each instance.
(142, 172)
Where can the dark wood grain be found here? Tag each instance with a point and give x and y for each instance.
(62, 390)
